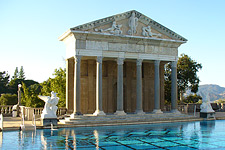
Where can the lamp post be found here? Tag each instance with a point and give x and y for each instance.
(19, 94)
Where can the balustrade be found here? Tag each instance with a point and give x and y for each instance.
(6, 110)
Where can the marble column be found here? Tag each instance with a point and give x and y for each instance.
(174, 87)
(139, 109)
(77, 109)
(157, 88)
(99, 110)
(120, 110)
(67, 84)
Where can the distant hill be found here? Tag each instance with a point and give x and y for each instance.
(215, 91)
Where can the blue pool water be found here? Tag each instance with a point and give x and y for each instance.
(170, 136)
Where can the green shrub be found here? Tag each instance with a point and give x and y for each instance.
(8, 99)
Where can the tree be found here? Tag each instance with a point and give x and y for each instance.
(56, 84)
(192, 98)
(13, 85)
(8, 99)
(4, 80)
(21, 74)
(16, 74)
(186, 76)
(30, 94)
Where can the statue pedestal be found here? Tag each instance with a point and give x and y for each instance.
(207, 115)
(15, 112)
(49, 121)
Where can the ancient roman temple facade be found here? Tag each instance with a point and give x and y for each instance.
(115, 65)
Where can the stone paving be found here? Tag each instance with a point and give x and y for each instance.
(11, 123)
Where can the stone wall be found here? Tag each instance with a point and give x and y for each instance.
(109, 86)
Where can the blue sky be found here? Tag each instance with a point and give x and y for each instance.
(29, 31)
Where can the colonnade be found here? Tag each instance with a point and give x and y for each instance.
(120, 108)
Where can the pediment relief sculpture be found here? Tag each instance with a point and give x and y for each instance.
(147, 31)
(115, 29)
(133, 23)
(130, 23)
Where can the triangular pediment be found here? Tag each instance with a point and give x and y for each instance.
(130, 23)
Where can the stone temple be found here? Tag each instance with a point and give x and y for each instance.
(115, 65)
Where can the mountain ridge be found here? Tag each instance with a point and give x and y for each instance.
(214, 92)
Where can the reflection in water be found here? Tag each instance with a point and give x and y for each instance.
(208, 125)
(95, 132)
(74, 139)
(48, 138)
(33, 135)
(0, 139)
(191, 135)
(207, 128)
(43, 141)
(67, 139)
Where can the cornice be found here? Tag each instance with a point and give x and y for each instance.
(144, 19)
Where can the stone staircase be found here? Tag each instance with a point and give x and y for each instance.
(87, 120)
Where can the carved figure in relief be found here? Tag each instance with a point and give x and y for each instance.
(133, 22)
(147, 31)
(115, 29)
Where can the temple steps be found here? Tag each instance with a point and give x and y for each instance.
(126, 119)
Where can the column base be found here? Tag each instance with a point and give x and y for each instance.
(121, 112)
(157, 111)
(139, 112)
(175, 111)
(74, 115)
(99, 113)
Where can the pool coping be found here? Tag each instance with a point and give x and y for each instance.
(118, 122)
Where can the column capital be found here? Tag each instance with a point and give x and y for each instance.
(120, 61)
(157, 62)
(99, 59)
(139, 62)
(174, 64)
(77, 58)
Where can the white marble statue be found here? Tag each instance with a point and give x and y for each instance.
(133, 22)
(50, 107)
(206, 106)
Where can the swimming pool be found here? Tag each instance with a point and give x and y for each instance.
(183, 135)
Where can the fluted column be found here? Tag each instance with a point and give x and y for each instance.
(174, 87)
(120, 110)
(157, 88)
(99, 111)
(77, 109)
(139, 109)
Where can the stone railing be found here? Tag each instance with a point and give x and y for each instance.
(191, 108)
(6, 110)
(181, 108)
(28, 112)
